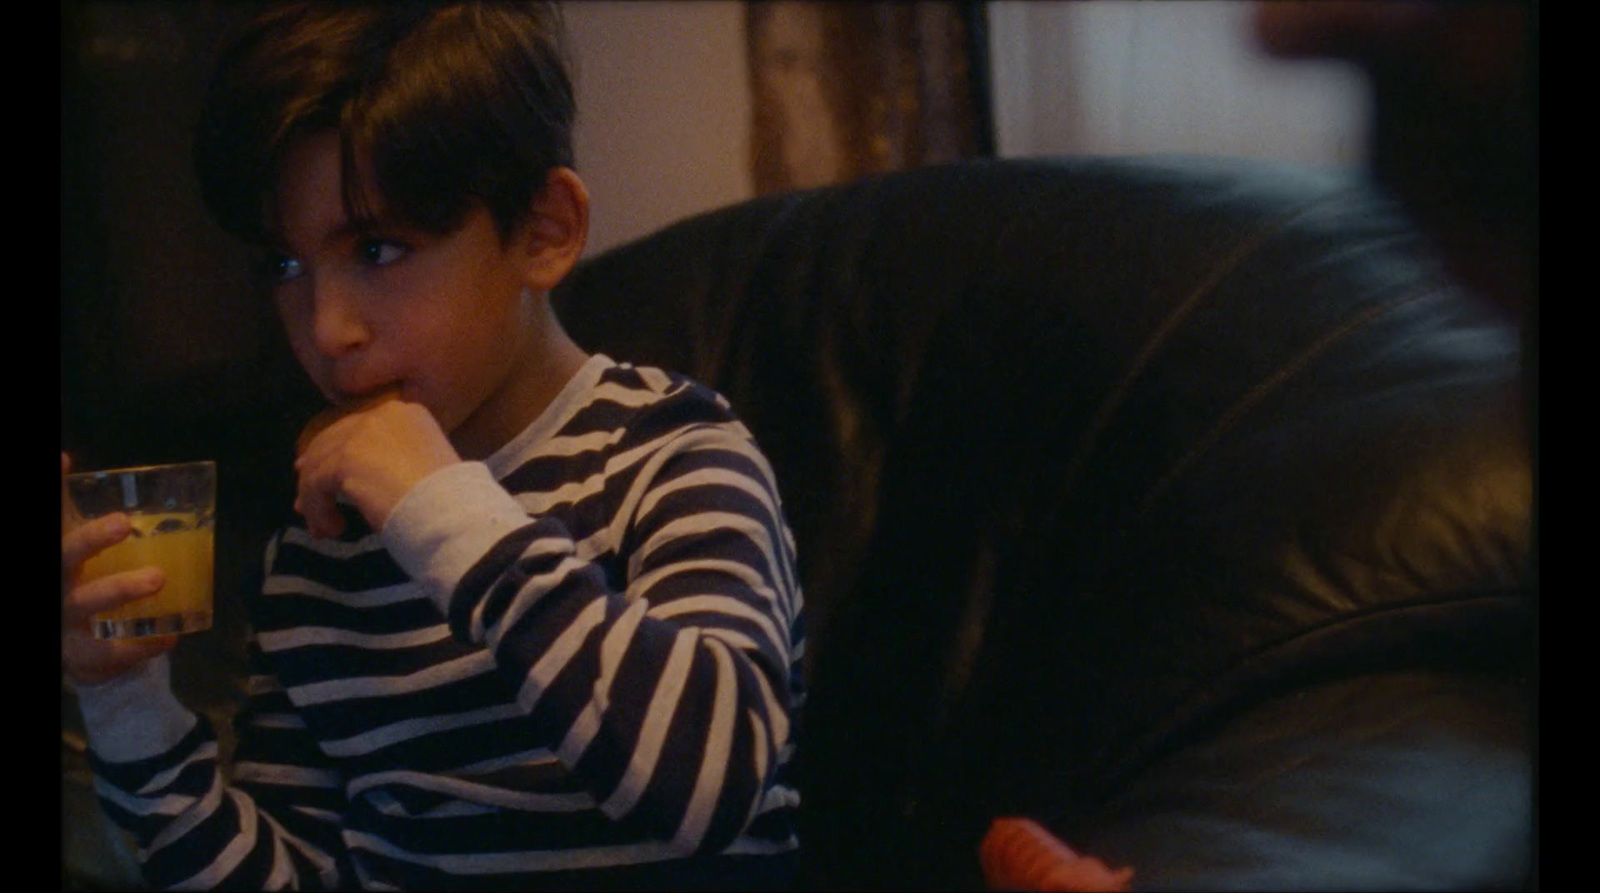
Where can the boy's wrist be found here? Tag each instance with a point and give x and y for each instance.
(134, 715)
(447, 522)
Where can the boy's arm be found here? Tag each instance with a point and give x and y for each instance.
(668, 691)
(158, 777)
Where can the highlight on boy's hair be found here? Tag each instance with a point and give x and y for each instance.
(443, 104)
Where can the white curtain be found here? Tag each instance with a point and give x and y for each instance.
(1157, 76)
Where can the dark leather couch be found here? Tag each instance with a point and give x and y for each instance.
(1179, 504)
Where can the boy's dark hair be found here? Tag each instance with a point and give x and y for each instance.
(451, 104)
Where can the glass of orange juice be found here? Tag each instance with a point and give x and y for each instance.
(173, 513)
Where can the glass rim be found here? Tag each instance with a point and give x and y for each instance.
(139, 469)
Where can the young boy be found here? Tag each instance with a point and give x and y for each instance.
(540, 627)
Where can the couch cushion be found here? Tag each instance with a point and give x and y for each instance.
(1083, 454)
(1391, 781)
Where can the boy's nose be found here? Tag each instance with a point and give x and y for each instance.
(338, 325)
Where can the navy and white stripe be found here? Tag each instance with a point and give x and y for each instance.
(611, 678)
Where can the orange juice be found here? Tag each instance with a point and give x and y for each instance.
(183, 548)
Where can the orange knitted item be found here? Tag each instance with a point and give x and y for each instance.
(1019, 854)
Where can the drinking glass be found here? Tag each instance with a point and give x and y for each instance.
(173, 513)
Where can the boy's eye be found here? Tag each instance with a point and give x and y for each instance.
(280, 268)
(379, 252)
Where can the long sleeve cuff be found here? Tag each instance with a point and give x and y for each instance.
(446, 523)
(135, 715)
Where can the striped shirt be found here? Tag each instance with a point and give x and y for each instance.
(582, 653)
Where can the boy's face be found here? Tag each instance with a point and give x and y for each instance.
(446, 319)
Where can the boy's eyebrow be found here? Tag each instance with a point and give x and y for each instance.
(346, 229)
(380, 223)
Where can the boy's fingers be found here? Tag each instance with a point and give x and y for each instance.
(323, 518)
(109, 592)
(316, 499)
(84, 540)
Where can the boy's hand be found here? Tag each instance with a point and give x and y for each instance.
(85, 659)
(370, 458)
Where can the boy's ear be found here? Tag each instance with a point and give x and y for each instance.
(556, 228)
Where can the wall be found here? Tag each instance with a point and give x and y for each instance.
(1112, 76)
(663, 111)
(665, 108)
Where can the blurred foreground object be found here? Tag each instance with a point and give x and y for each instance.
(1018, 854)
(1455, 120)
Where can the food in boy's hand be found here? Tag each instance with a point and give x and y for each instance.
(323, 419)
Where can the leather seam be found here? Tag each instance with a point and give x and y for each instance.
(1252, 676)
(1114, 401)
(1265, 387)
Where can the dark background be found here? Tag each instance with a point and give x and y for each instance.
(168, 353)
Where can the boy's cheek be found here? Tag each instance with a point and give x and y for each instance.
(298, 336)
